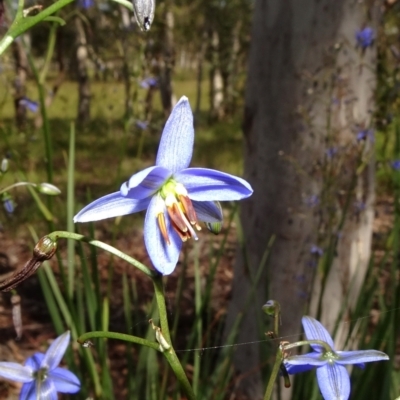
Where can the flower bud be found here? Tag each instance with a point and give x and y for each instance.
(44, 249)
(4, 165)
(144, 13)
(48, 188)
(271, 307)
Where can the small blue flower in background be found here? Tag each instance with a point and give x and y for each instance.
(41, 376)
(142, 124)
(8, 204)
(31, 105)
(312, 200)
(330, 152)
(85, 4)
(395, 165)
(333, 378)
(176, 197)
(148, 83)
(365, 37)
(316, 250)
(364, 134)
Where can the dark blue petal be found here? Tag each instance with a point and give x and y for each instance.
(111, 205)
(334, 382)
(207, 211)
(205, 184)
(176, 144)
(28, 391)
(16, 372)
(360, 356)
(145, 183)
(313, 359)
(314, 330)
(55, 352)
(64, 381)
(35, 361)
(164, 256)
(295, 369)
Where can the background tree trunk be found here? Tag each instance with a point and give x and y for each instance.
(307, 95)
(21, 73)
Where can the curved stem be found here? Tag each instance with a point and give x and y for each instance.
(97, 243)
(14, 185)
(116, 335)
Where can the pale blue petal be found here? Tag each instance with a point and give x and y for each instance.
(176, 144)
(314, 330)
(295, 369)
(16, 372)
(313, 359)
(111, 205)
(334, 382)
(46, 390)
(205, 184)
(55, 352)
(207, 211)
(28, 391)
(34, 361)
(360, 356)
(145, 183)
(164, 256)
(64, 381)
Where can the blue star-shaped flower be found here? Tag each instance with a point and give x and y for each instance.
(365, 37)
(41, 376)
(333, 378)
(176, 197)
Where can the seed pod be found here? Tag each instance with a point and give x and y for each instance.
(144, 13)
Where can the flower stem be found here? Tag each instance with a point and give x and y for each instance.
(274, 374)
(97, 243)
(8, 188)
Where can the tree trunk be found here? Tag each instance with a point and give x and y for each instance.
(21, 69)
(216, 82)
(307, 95)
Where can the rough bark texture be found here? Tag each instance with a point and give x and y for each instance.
(307, 91)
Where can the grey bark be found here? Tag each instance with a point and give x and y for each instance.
(302, 57)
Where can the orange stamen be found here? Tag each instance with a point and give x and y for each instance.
(163, 227)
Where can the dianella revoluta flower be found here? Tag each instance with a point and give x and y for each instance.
(31, 105)
(333, 378)
(176, 197)
(41, 376)
(365, 37)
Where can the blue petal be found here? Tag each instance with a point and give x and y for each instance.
(164, 256)
(205, 184)
(207, 211)
(360, 356)
(176, 144)
(28, 391)
(295, 369)
(35, 361)
(56, 351)
(313, 359)
(314, 330)
(16, 372)
(334, 382)
(64, 381)
(111, 205)
(46, 390)
(145, 183)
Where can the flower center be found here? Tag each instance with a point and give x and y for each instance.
(41, 375)
(174, 197)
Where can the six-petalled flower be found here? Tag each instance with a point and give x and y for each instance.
(333, 378)
(176, 197)
(41, 376)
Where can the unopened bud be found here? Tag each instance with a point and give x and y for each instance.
(44, 249)
(4, 165)
(48, 188)
(271, 307)
(144, 13)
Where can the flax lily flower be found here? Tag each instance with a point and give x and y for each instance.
(176, 197)
(333, 378)
(41, 375)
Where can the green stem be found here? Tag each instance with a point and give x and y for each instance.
(97, 243)
(6, 189)
(118, 336)
(274, 374)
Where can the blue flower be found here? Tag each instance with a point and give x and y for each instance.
(395, 165)
(142, 124)
(365, 37)
(176, 197)
(41, 376)
(316, 250)
(31, 105)
(85, 4)
(8, 204)
(148, 83)
(333, 378)
(364, 134)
